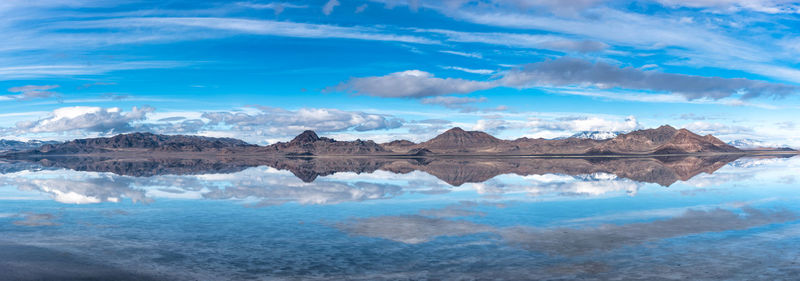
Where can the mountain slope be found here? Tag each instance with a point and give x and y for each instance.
(458, 140)
(662, 140)
(11, 145)
(143, 141)
(308, 143)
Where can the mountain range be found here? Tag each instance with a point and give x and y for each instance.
(9, 145)
(663, 140)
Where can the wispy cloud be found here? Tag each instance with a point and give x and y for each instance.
(29, 92)
(577, 72)
(278, 7)
(327, 9)
(572, 72)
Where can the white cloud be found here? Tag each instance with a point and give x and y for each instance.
(278, 7)
(410, 84)
(31, 92)
(522, 40)
(328, 8)
(578, 72)
(716, 129)
(463, 54)
(762, 6)
(85, 118)
(277, 122)
(469, 70)
(50, 70)
(565, 126)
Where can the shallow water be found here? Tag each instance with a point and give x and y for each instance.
(463, 220)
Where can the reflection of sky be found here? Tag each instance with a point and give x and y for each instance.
(262, 222)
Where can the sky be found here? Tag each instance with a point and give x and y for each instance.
(265, 71)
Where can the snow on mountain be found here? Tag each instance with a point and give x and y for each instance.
(596, 135)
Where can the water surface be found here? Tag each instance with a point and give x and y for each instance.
(717, 218)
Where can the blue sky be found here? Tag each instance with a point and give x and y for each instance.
(264, 71)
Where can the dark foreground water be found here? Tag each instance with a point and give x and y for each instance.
(455, 222)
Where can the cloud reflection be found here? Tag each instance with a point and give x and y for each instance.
(564, 240)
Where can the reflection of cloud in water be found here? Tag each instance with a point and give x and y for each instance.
(34, 219)
(567, 241)
(411, 229)
(462, 209)
(77, 188)
(316, 193)
(586, 185)
(264, 184)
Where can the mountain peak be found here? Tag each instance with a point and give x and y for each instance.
(666, 127)
(457, 138)
(306, 137)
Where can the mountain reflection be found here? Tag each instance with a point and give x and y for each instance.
(264, 182)
(664, 171)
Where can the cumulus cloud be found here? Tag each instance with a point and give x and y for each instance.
(277, 121)
(410, 84)
(86, 118)
(490, 125)
(76, 189)
(583, 123)
(578, 72)
(29, 92)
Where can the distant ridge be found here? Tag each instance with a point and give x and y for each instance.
(146, 141)
(456, 141)
(7, 145)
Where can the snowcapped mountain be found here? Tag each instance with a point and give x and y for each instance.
(6, 145)
(755, 144)
(596, 135)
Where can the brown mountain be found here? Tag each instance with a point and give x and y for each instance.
(308, 143)
(456, 141)
(663, 140)
(143, 142)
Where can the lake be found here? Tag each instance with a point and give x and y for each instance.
(670, 218)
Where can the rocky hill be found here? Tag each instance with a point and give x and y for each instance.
(308, 143)
(662, 140)
(456, 141)
(142, 142)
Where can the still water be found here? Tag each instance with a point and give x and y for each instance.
(401, 219)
